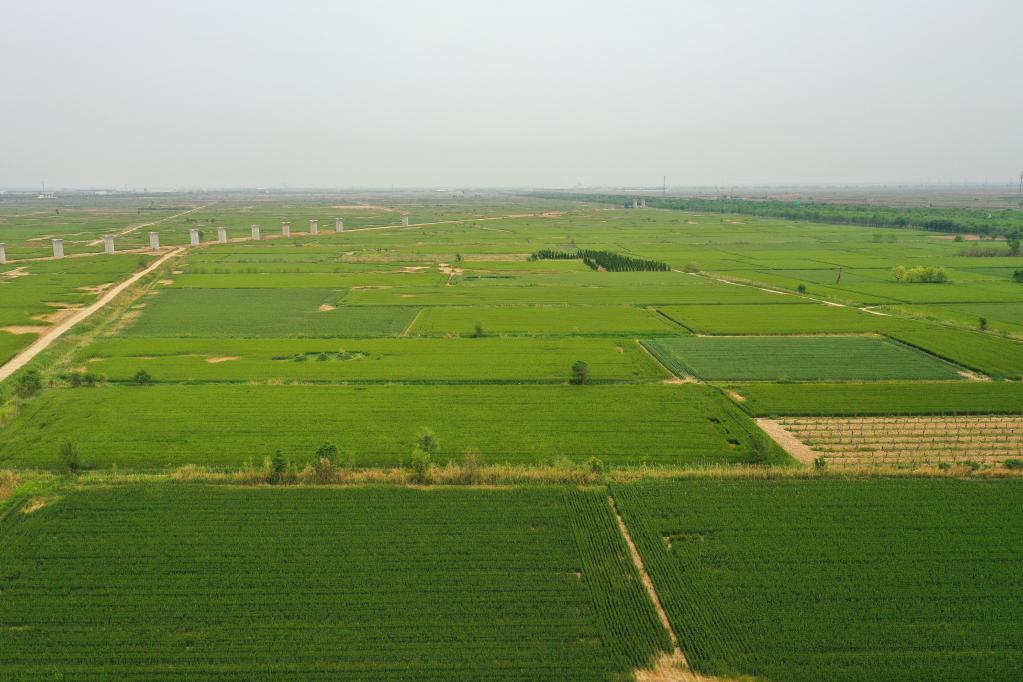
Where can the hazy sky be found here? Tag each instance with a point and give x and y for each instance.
(477, 93)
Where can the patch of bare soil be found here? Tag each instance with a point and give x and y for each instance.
(792, 445)
(446, 269)
(833, 304)
(974, 376)
(37, 503)
(684, 379)
(552, 214)
(737, 397)
(326, 307)
(97, 288)
(57, 316)
(415, 268)
(165, 282)
(177, 272)
(8, 482)
(24, 329)
(870, 310)
(223, 358)
(362, 207)
(16, 272)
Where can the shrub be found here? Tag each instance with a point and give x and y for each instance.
(1015, 464)
(820, 463)
(1017, 276)
(142, 378)
(595, 465)
(801, 288)
(923, 273)
(323, 470)
(691, 266)
(422, 464)
(982, 323)
(958, 238)
(29, 384)
(70, 457)
(760, 449)
(327, 451)
(77, 379)
(477, 330)
(580, 373)
(322, 357)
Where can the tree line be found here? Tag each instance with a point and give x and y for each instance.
(603, 260)
(1006, 222)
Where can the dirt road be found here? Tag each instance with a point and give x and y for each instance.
(58, 330)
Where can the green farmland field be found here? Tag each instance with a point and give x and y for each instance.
(170, 582)
(878, 398)
(492, 359)
(264, 313)
(777, 319)
(541, 320)
(837, 579)
(803, 358)
(993, 355)
(225, 425)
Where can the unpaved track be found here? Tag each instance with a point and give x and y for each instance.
(55, 332)
(132, 228)
(792, 445)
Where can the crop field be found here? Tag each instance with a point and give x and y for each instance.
(993, 355)
(765, 319)
(879, 398)
(798, 358)
(910, 440)
(483, 360)
(837, 579)
(542, 320)
(136, 582)
(169, 425)
(311, 312)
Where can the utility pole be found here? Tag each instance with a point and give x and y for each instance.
(1021, 190)
(664, 184)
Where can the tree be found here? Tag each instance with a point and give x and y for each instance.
(982, 324)
(801, 288)
(29, 384)
(70, 457)
(1013, 242)
(478, 332)
(760, 449)
(327, 451)
(278, 466)
(580, 373)
(899, 272)
(1017, 276)
(421, 464)
(426, 440)
(142, 378)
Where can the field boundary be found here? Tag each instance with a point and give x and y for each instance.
(677, 654)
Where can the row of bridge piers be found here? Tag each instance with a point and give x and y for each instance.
(195, 236)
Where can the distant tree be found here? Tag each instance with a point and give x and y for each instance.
(142, 378)
(327, 451)
(70, 457)
(478, 332)
(899, 272)
(426, 440)
(801, 288)
(458, 258)
(958, 238)
(29, 384)
(1018, 276)
(1014, 244)
(982, 324)
(760, 449)
(278, 467)
(580, 373)
(422, 465)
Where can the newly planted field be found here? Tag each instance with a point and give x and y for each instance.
(910, 440)
(225, 425)
(201, 313)
(802, 358)
(837, 579)
(943, 398)
(169, 581)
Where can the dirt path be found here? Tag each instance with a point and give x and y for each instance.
(792, 445)
(132, 228)
(55, 332)
(676, 653)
